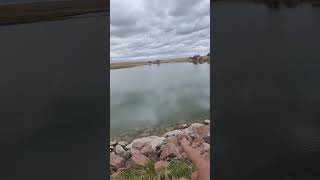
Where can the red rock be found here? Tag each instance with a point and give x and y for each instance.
(158, 166)
(139, 159)
(129, 164)
(192, 127)
(146, 149)
(184, 135)
(138, 145)
(169, 150)
(201, 131)
(155, 141)
(116, 161)
(153, 156)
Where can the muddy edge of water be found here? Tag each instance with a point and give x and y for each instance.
(160, 130)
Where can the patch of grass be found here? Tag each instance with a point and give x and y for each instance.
(139, 172)
(176, 169)
(180, 168)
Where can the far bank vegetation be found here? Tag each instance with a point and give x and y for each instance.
(194, 59)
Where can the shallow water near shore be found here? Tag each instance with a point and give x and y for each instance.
(157, 95)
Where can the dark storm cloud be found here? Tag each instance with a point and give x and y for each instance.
(148, 29)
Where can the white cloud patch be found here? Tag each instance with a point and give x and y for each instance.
(159, 29)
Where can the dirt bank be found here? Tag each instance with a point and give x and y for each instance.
(140, 63)
(47, 11)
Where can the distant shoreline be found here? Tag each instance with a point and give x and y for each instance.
(11, 14)
(129, 64)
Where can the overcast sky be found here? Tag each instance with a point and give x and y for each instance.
(159, 29)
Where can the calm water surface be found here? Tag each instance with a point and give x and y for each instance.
(147, 96)
(53, 98)
(266, 91)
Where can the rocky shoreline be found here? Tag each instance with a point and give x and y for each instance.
(158, 148)
(157, 130)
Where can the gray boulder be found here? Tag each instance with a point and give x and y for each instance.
(119, 150)
(173, 133)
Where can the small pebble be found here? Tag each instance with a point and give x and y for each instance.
(119, 150)
(113, 143)
(183, 126)
(123, 143)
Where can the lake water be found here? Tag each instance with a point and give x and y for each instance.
(53, 98)
(147, 96)
(266, 91)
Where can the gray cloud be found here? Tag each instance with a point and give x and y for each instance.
(149, 29)
(180, 8)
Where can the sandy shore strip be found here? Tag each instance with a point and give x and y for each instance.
(129, 64)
